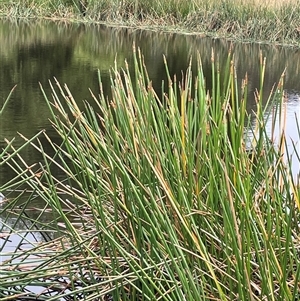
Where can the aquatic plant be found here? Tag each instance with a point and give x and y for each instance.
(6, 101)
(156, 197)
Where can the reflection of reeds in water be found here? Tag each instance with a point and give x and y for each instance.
(82, 49)
(92, 41)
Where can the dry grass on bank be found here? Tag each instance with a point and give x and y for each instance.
(267, 21)
(270, 3)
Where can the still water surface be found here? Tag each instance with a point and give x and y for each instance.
(33, 53)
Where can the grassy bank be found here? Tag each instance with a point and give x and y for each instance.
(249, 20)
(156, 197)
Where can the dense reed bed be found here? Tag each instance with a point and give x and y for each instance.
(155, 197)
(248, 20)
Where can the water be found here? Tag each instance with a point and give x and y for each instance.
(36, 52)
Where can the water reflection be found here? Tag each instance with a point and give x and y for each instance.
(32, 53)
(287, 126)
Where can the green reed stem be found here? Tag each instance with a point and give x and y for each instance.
(158, 198)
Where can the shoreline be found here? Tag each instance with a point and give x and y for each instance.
(246, 24)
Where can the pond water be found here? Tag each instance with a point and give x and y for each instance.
(36, 52)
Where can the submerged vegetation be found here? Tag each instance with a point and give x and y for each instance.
(249, 20)
(156, 197)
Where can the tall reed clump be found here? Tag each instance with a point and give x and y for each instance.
(157, 198)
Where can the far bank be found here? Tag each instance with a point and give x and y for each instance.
(274, 22)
